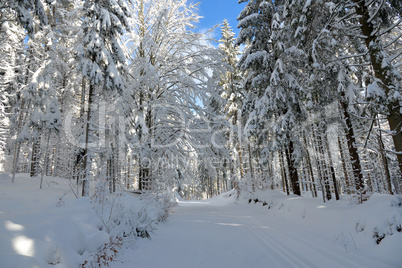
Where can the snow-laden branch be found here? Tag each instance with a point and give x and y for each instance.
(390, 28)
(376, 12)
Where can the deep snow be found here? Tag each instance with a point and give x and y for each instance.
(52, 228)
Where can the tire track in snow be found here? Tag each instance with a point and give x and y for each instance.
(289, 258)
(331, 259)
(353, 260)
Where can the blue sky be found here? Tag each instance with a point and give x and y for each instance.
(215, 11)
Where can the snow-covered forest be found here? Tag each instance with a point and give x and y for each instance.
(113, 96)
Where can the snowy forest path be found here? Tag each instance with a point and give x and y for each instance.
(223, 233)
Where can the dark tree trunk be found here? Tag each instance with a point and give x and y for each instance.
(109, 174)
(345, 170)
(35, 158)
(334, 181)
(292, 169)
(354, 156)
(87, 159)
(310, 169)
(283, 173)
(322, 164)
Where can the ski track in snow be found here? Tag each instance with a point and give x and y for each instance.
(222, 233)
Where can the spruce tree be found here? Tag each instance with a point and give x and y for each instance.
(101, 61)
(232, 92)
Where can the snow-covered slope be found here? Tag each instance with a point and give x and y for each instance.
(53, 228)
(371, 230)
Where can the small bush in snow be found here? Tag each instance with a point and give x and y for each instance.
(116, 216)
(105, 255)
(156, 210)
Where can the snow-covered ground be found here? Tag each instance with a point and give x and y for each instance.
(293, 232)
(52, 228)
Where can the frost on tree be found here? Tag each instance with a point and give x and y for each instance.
(169, 76)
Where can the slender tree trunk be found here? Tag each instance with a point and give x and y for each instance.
(217, 182)
(351, 141)
(45, 164)
(292, 169)
(82, 105)
(53, 164)
(112, 181)
(116, 164)
(271, 172)
(251, 167)
(345, 170)
(240, 162)
(322, 164)
(385, 163)
(334, 181)
(283, 173)
(140, 176)
(88, 135)
(310, 168)
(128, 172)
(239, 142)
(210, 186)
(305, 175)
(35, 157)
(318, 164)
(109, 174)
(15, 160)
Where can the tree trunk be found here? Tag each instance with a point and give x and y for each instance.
(45, 164)
(354, 156)
(239, 142)
(144, 178)
(35, 158)
(345, 170)
(310, 168)
(88, 135)
(385, 163)
(271, 172)
(128, 172)
(283, 174)
(334, 181)
(114, 169)
(15, 160)
(115, 162)
(292, 169)
(240, 162)
(322, 164)
(109, 174)
(53, 164)
(82, 105)
(251, 167)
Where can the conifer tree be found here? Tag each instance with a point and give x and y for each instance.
(26, 11)
(376, 19)
(101, 61)
(232, 92)
(274, 68)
